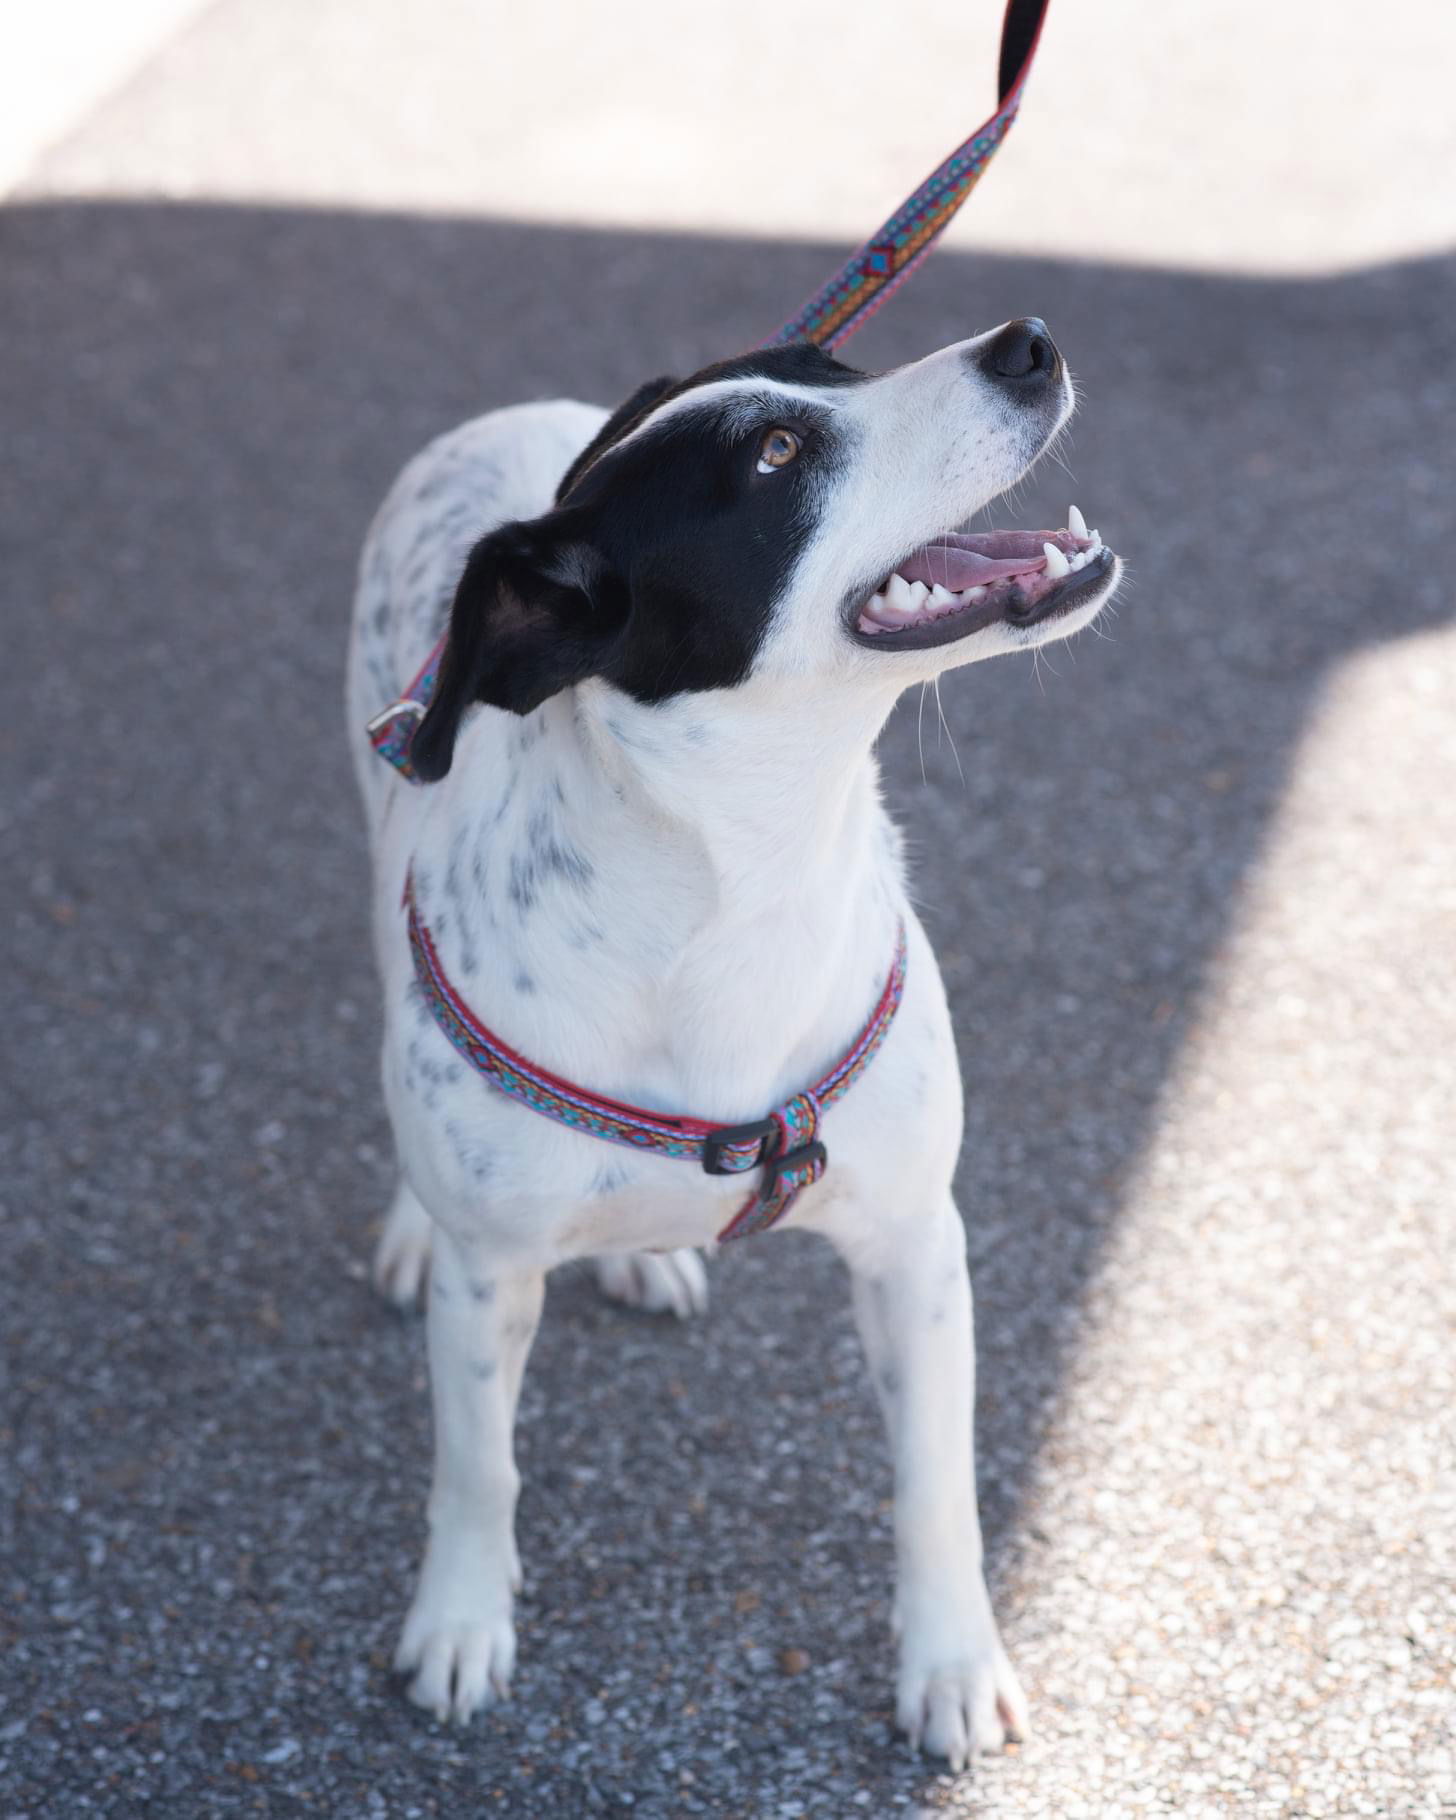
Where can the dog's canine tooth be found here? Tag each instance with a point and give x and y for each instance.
(1056, 564)
(1076, 523)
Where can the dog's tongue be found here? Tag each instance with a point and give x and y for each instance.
(960, 562)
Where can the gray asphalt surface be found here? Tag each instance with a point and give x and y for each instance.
(1194, 900)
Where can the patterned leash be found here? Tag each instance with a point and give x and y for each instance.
(833, 313)
(868, 278)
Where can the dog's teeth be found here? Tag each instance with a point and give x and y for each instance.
(942, 597)
(1079, 561)
(897, 593)
(1056, 564)
(1076, 523)
(919, 594)
(972, 595)
(1096, 537)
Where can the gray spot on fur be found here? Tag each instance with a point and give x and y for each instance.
(522, 888)
(890, 1382)
(454, 882)
(482, 1289)
(609, 1179)
(474, 1158)
(482, 1370)
(546, 857)
(434, 1073)
(524, 983)
(505, 799)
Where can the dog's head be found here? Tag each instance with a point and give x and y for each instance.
(780, 515)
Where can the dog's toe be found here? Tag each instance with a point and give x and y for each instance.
(402, 1256)
(962, 1703)
(662, 1282)
(458, 1669)
(458, 1643)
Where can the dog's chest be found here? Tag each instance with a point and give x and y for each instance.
(569, 949)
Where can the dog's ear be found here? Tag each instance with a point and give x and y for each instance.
(616, 426)
(534, 613)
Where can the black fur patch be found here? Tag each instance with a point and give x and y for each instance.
(660, 564)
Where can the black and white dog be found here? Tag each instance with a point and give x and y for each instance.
(656, 863)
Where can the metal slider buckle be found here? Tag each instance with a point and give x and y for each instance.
(395, 711)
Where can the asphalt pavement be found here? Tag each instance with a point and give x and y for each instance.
(1193, 890)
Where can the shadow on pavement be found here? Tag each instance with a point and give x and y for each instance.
(219, 1441)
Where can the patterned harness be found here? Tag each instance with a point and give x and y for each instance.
(786, 1144)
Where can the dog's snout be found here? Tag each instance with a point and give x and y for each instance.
(1022, 354)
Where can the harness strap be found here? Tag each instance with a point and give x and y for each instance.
(392, 731)
(785, 1144)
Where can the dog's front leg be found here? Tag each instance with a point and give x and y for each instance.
(459, 1642)
(956, 1692)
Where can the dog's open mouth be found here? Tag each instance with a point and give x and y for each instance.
(960, 583)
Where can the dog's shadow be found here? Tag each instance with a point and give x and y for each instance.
(219, 397)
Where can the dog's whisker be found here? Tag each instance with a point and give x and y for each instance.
(945, 726)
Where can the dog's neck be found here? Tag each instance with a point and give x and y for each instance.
(702, 894)
(756, 792)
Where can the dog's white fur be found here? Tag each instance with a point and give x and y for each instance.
(736, 843)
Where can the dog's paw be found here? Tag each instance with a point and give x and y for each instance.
(402, 1256)
(663, 1282)
(954, 1700)
(458, 1646)
(459, 1668)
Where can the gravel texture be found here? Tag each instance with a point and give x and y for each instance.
(1193, 890)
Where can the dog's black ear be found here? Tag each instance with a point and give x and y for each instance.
(616, 426)
(533, 613)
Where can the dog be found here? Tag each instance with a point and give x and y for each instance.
(646, 841)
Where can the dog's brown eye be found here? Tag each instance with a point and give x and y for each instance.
(777, 450)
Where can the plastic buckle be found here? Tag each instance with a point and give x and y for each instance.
(763, 1132)
(774, 1166)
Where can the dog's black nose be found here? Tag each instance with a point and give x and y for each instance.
(1022, 352)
